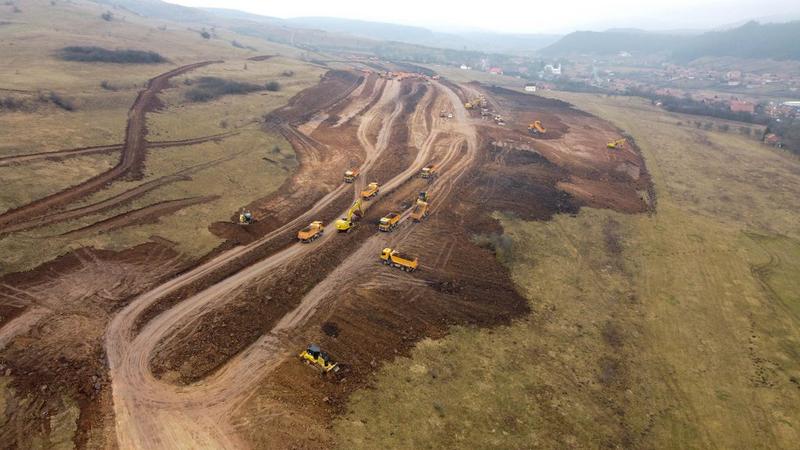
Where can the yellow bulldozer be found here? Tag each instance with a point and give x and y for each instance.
(314, 356)
(348, 222)
(246, 217)
(618, 144)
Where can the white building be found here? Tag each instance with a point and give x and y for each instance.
(530, 88)
(552, 70)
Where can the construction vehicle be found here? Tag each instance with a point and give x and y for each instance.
(420, 211)
(348, 222)
(389, 222)
(311, 232)
(314, 356)
(394, 258)
(619, 143)
(371, 191)
(468, 105)
(428, 171)
(536, 128)
(246, 217)
(350, 175)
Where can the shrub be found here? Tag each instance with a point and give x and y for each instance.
(205, 34)
(13, 104)
(99, 54)
(107, 16)
(107, 86)
(209, 88)
(273, 86)
(288, 73)
(500, 244)
(57, 100)
(237, 44)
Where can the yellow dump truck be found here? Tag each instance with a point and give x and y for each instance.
(389, 222)
(420, 211)
(350, 175)
(311, 232)
(429, 171)
(371, 191)
(394, 258)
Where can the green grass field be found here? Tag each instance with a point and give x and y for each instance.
(677, 330)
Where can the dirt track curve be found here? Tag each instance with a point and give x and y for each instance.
(130, 162)
(152, 413)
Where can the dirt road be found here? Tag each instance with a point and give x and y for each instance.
(153, 413)
(130, 162)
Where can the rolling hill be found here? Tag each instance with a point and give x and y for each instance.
(752, 40)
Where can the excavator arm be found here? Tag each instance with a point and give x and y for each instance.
(355, 210)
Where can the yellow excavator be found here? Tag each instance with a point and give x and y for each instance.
(314, 356)
(618, 144)
(536, 128)
(348, 222)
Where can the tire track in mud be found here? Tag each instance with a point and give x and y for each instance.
(117, 200)
(152, 413)
(81, 151)
(138, 216)
(131, 160)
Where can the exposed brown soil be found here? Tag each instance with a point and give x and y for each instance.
(334, 87)
(362, 312)
(61, 355)
(579, 162)
(275, 244)
(131, 160)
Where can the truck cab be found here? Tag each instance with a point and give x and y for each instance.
(389, 222)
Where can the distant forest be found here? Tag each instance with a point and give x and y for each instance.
(751, 40)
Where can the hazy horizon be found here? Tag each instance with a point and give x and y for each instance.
(525, 17)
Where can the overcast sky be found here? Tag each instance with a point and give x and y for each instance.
(529, 16)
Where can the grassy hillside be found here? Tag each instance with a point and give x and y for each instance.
(678, 329)
(102, 93)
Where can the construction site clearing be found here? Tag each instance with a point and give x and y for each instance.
(192, 345)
